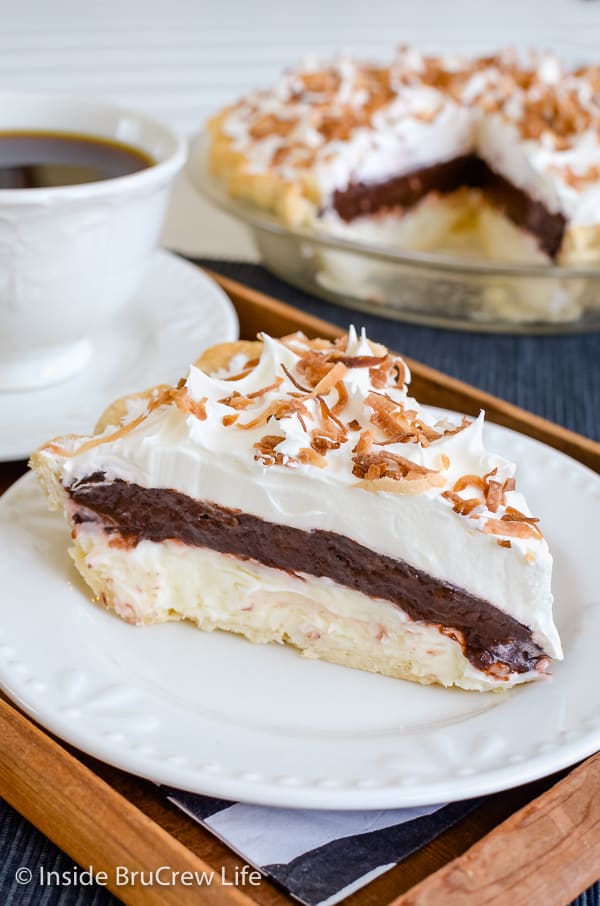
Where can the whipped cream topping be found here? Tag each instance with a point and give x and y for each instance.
(327, 125)
(322, 435)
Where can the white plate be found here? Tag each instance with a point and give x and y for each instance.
(215, 714)
(177, 312)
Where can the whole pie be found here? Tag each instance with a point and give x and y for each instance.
(426, 151)
(290, 490)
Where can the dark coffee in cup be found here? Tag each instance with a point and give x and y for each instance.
(33, 160)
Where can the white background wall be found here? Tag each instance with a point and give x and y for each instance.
(181, 60)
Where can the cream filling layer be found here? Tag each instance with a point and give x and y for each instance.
(154, 583)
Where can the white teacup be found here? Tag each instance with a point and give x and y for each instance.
(72, 256)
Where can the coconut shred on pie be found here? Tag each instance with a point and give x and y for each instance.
(291, 491)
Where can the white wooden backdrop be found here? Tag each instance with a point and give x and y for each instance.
(182, 59)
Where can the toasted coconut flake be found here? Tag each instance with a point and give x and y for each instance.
(354, 425)
(400, 438)
(513, 515)
(380, 376)
(274, 386)
(381, 402)
(373, 467)
(389, 416)
(314, 366)
(311, 457)
(266, 452)
(512, 529)
(503, 542)
(327, 414)
(492, 491)
(293, 380)
(236, 401)
(424, 433)
(400, 425)
(326, 437)
(398, 486)
(485, 478)
(301, 420)
(321, 443)
(361, 361)
(240, 401)
(342, 398)
(444, 462)
(228, 420)
(400, 372)
(390, 371)
(185, 403)
(389, 425)
(328, 382)
(493, 496)
(279, 409)
(276, 408)
(466, 481)
(461, 505)
(365, 443)
(515, 518)
(465, 422)
(509, 485)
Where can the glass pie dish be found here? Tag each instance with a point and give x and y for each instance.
(450, 290)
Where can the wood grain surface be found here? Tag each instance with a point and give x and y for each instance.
(91, 821)
(538, 844)
(548, 852)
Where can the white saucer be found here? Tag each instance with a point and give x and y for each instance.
(212, 713)
(175, 314)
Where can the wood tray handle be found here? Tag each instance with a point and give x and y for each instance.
(546, 853)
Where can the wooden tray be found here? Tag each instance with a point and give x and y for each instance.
(538, 844)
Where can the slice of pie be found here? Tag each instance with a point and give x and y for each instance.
(291, 491)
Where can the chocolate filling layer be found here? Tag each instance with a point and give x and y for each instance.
(133, 513)
(468, 170)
